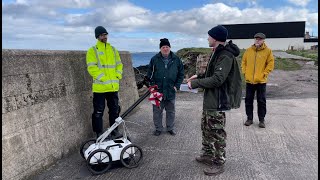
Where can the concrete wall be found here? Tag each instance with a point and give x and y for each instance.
(276, 43)
(47, 106)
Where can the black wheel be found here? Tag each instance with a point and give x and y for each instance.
(84, 146)
(131, 155)
(99, 161)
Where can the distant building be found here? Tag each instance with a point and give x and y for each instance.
(280, 35)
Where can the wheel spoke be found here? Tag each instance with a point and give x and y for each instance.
(105, 157)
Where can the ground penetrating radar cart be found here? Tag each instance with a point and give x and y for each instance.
(101, 152)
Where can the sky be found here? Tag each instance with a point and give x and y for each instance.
(138, 25)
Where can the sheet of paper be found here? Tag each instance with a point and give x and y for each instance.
(184, 87)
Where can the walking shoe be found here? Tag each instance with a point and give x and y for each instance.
(205, 159)
(248, 122)
(214, 170)
(262, 125)
(172, 132)
(156, 133)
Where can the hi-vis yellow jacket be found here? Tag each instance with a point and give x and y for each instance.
(257, 63)
(105, 67)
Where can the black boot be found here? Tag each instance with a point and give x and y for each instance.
(214, 170)
(248, 122)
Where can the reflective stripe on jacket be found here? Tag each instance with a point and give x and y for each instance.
(257, 63)
(105, 67)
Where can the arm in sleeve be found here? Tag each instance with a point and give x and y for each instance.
(119, 65)
(270, 64)
(220, 74)
(180, 75)
(150, 72)
(92, 65)
(244, 63)
(200, 76)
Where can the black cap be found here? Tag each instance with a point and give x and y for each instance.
(99, 30)
(260, 35)
(164, 42)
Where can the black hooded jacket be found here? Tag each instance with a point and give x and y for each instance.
(222, 80)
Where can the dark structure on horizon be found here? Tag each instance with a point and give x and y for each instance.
(272, 30)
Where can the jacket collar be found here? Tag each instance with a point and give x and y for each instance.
(171, 55)
(101, 44)
(263, 46)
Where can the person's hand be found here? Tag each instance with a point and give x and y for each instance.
(175, 88)
(192, 77)
(189, 85)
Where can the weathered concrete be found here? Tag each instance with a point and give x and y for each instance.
(47, 106)
(286, 149)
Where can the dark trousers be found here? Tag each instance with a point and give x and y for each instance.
(261, 100)
(169, 106)
(99, 106)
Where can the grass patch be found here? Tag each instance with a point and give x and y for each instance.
(286, 64)
(312, 54)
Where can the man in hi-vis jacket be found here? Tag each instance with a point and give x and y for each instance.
(105, 67)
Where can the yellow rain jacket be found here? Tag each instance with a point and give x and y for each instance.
(257, 63)
(105, 67)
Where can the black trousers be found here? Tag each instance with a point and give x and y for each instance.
(99, 106)
(261, 100)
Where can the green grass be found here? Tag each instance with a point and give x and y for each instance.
(312, 54)
(286, 64)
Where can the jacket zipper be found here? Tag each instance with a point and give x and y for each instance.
(254, 67)
(105, 50)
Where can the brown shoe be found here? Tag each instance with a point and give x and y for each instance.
(214, 170)
(248, 122)
(205, 159)
(262, 125)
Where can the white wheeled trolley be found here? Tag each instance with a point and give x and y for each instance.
(101, 152)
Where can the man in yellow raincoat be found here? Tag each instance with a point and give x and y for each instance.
(257, 63)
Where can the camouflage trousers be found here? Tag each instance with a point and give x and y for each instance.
(213, 135)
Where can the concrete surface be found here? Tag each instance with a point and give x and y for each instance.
(47, 107)
(286, 149)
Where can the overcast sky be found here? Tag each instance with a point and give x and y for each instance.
(137, 25)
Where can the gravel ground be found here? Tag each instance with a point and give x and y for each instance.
(294, 84)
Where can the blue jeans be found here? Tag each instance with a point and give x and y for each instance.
(169, 106)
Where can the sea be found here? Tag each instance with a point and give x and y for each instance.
(141, 58)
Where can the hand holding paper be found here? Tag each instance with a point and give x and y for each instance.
(185, 87)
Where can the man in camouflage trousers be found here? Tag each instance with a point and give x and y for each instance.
(222, 91)
(214, 135)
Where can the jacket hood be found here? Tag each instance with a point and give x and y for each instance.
(233, 48)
